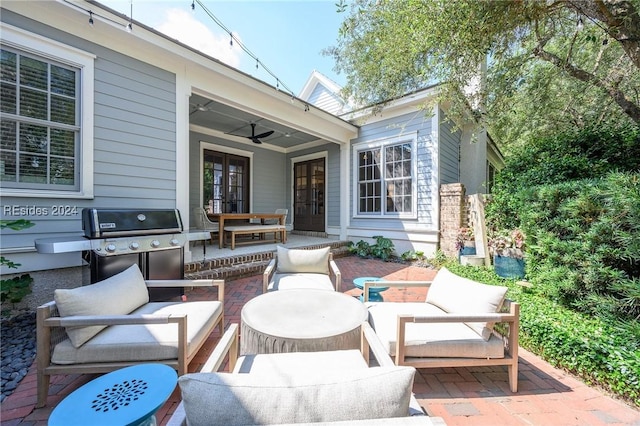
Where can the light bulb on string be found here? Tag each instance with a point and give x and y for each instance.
(230, 40)
(193, 5)
(90, 18)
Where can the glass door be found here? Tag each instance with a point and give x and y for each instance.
(309, 190)
(225, 183)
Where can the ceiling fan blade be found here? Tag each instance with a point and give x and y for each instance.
(265, 134)
(255, 139)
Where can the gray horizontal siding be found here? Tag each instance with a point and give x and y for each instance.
(449, 151)
(134, 139)
(389, 128)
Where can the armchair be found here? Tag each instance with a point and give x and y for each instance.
(111, 324)
(454, 327)
(301, 268)
(300, 387)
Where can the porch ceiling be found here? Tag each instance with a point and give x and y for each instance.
(226, 119)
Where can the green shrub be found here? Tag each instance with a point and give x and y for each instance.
(382, 249)
(14, 289)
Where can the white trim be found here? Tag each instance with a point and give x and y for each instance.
(435, 172)
(84, 61)
(227, 150)
(411, 137)
(308, 157)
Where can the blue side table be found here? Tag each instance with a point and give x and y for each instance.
(374, 291)
(129, 396)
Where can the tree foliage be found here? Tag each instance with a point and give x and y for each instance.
(551, 64)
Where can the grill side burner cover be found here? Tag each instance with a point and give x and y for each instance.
(101, 223)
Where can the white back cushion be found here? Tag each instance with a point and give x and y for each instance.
(455, 294)
(116, 295)
(299, 260)
(315, 396)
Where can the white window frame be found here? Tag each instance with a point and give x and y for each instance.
(52, 50)
(382, 143)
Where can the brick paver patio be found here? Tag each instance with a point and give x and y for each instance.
(462, 396)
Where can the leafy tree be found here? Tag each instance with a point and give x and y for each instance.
(551, 64)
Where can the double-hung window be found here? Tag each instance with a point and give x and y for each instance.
(41, 121)
(385, 177)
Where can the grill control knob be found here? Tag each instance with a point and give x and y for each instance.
(134, 246)
(111, 248)
(155, 243)
(174, 242)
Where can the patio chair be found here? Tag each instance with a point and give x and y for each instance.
(112, 324)
(300, 387)
(300, 269)
(453, 327)
(203, 222)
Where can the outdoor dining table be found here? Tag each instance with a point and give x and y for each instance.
(222, 217)
(307, 320)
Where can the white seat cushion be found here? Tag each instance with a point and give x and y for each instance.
(458, 295)
(294, 363)
(433, 340)
(153, 342)
(300, 281)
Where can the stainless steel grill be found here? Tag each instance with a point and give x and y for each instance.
(115, 239)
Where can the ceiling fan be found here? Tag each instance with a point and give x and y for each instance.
(256, 138)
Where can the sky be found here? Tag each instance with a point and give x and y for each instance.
(287, 36)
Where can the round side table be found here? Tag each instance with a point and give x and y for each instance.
(374, 291)
(129, 396)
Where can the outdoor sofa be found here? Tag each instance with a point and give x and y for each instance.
(111, 324)
(453, 327)
(330, 387)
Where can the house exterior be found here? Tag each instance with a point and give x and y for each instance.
(97, 116)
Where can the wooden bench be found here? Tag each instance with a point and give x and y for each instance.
(261, 230)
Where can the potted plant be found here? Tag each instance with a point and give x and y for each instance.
(507, 248)
(465, 242)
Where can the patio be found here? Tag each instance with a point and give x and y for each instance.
(461, 396)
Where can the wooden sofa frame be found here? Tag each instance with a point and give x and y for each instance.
(510, 319)
(50, 330)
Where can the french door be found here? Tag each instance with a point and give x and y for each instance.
(309, 198)
(225, 182)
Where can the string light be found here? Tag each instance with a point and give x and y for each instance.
(244, 48)
(129, 28)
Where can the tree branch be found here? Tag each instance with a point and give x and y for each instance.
(627, 106)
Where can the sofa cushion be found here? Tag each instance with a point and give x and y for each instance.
(430, 340)
(304, 261)
(242, 399)
(116, 295)
(300, 281)
(154, 342)
(455, 294)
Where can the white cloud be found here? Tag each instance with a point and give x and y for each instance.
(183, 26)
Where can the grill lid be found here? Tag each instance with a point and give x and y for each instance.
(100, 223)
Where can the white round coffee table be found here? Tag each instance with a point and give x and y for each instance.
(301, 321)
